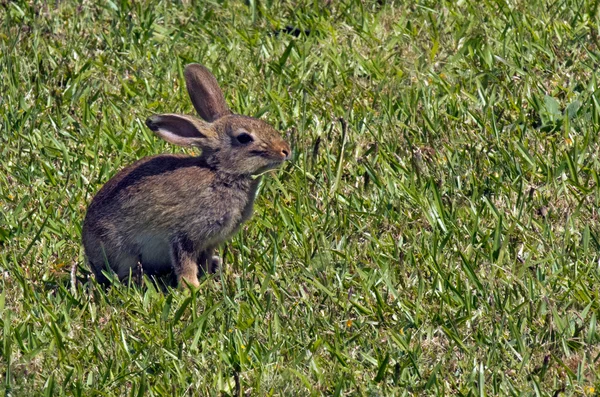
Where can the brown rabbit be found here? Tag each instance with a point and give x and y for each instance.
(169, 212)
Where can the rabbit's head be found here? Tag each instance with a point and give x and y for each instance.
(231, 143)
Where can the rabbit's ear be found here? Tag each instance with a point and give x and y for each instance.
(205, 93)
(182, 130)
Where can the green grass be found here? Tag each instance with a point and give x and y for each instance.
(445, 242)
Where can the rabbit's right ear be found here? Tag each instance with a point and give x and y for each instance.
(183, 130)
(205, 93)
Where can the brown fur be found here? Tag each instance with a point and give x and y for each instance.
(208, 101)
(169, 212)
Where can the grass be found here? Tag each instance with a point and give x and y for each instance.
(436, 232)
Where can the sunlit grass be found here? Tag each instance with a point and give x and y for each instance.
(435, 233)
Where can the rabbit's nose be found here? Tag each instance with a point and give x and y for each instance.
(286, 153)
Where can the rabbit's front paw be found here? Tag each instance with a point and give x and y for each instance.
(189, 282)
(214, 264)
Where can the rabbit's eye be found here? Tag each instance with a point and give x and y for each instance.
(244, 138)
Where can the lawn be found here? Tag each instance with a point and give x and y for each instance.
(435, 233)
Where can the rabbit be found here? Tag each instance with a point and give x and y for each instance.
(168, 213)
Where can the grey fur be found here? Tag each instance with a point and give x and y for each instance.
(169, 212)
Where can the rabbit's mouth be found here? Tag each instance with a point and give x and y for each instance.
(271, 160)
(271, 165)
(274, 164)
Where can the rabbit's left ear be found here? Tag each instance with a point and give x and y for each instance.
(183, 130)
(205, 93)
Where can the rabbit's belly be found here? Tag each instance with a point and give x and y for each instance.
(155, 253)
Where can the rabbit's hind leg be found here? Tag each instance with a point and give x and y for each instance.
(97, 256)
(127, 266)
(97, 270)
